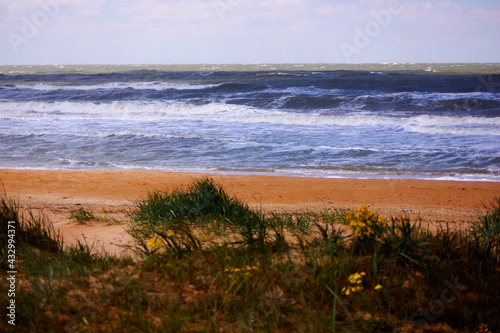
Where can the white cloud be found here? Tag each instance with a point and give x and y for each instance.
(272, 28)
(163, 10)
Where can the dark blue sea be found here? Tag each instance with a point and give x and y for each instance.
(420, 121)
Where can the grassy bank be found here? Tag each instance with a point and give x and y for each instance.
(207, 262)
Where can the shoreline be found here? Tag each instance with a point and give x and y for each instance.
(112, 194)
(124, 187)
(352, 175)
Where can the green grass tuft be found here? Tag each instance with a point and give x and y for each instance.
(29, 229)
(486, 234)
(171, 216)
(81, 216)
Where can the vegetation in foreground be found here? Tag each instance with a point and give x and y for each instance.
(208, 262)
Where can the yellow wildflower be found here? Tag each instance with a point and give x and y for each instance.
(348, 290)
(154, 244)
(355, 280)
(245, 270)
(364, 222)
(378, 287)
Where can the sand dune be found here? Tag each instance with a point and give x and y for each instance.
(111, 194)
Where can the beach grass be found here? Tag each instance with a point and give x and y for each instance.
(81, 215)
(207, 262)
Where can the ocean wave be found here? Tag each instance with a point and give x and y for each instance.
(231, 113)
(455, 131)
(109, 134)
(309, 96)
(371, 121)
(317, 98)
(377, 150)
(116, 85)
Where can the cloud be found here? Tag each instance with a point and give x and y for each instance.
(277, 29)
(164, 10)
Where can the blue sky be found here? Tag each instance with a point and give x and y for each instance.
(247, 31)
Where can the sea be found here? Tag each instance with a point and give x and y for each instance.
(365, 121)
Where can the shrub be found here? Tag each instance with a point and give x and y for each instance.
(406, 240)
(169, 216)
(365, 223)
(202, 203)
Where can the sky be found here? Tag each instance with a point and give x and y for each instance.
(248, 31)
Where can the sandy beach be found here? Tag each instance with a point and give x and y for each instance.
(112, 194)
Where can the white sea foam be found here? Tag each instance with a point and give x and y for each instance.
(109, 134)
(230, 113)
(377, 150)
(455, 131)
(295, 172)
(158, 85)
